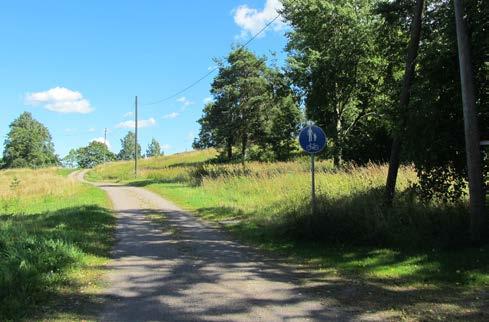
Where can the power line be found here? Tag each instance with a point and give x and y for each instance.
(213, 69)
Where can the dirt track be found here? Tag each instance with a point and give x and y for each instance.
(184, 270)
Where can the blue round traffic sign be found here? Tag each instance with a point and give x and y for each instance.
(312, 139)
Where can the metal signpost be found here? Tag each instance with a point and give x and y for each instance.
(312, 140)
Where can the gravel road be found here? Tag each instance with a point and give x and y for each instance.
(182, 269)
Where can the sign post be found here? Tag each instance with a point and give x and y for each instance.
(312, 140)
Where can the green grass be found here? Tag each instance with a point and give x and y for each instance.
(267, 204)
(55, 238)
(406, 260)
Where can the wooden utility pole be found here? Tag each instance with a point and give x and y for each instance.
(136, 137)
(105, 137)
(472, 135)
(409, 70)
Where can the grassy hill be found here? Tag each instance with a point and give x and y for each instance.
(55, 236)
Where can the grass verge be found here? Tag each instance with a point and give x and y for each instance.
(55, 238)
(408, 257)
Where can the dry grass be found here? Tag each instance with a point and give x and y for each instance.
(32, 184)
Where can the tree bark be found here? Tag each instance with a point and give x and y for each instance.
(229, 150)
(472, 135)
(412, 53)
(338, 149)
(244, 144)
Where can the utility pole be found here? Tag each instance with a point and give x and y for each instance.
(472, 135)
(136, 137)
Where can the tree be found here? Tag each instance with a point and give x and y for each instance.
(154, 149)
(404, 99)
(253, 105)
(127, 149)
(28, 144)
(333, 63)
(71, 159)
(236, 116)
(284, 116)
(472, 136)
(94, 154)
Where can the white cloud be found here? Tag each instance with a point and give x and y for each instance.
(251, 20)
(61, 100)
(166, 147)
(170, 116)
(102, 140)
(207, 100)
(92, 129)
(185, 101)
(129, 114)
(141, 123)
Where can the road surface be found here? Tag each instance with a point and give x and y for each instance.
(182, 269)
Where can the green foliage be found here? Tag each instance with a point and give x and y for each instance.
(127, 149)
(93, 154)
(433, 130)
(334, 63)
(253, 105)
(51, 244)
(154, 149)
(28, 144)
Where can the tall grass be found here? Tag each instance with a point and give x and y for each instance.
(55, 234)
(268, 204)
(274, 199)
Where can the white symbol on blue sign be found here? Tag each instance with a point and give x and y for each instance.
(312, 139)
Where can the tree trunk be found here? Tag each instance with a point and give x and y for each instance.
(244, 144)
(412, 53)
(229, 150)
(338, 148)
(472, 136)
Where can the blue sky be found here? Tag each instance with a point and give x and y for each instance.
(77, 65)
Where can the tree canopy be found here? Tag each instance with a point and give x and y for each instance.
(93, 154)
(127, 147)
(28, 144)
(154, 149)
(253, 106)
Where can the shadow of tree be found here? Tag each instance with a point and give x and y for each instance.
(204, 258)
(436, 275)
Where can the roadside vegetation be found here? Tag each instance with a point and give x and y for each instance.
(267, 204)
(55, 237)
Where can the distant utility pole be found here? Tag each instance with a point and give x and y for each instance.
(136, 137)
(472, 136)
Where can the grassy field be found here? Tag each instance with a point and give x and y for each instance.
(55, 236)
(267, 204)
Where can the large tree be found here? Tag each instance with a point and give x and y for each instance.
(127, 147)
(28, 144)
(253, 105)
(236, 116)
(333, 63)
